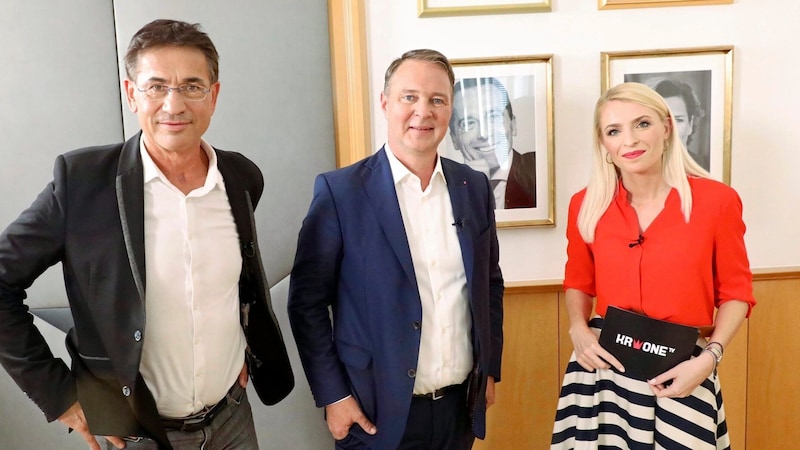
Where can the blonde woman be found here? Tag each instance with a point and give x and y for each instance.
(651, 234)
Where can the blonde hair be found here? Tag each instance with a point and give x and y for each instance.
(421, 54)
(677, 164)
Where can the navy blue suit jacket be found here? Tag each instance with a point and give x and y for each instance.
(353, 256)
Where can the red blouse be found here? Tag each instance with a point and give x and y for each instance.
(674, 271)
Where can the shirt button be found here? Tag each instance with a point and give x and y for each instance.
(126, 391)
(137, 335)
(416, 325)
(412, 373)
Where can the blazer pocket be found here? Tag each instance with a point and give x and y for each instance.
(354, 356)
(83, 363)
(99, 366)
(358, 364)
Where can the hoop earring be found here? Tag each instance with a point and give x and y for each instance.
(608, 158)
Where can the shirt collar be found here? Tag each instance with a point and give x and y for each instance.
(400, 172)
(151, 170)
(500, 174)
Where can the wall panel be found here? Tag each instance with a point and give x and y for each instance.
(773, 385)
(58, 91)
(528, 393)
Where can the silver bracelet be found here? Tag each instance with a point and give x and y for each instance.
(721, 348)
(715, 357)
(717, 352)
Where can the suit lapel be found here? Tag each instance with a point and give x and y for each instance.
(130, 201)
(243, 211)
(379, 187)
(463, 215)
(241, 205)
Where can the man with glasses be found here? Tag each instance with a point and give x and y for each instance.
(162, 270)
(482, 128)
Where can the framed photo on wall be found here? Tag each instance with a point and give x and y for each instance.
(622, 4)
(439, 8)
(502, 125)
(697, 84)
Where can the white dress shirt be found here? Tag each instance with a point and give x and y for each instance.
(498, 178)
(193, 346)
(499, 181)
(445, 352)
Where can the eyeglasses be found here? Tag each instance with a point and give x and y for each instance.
(188, 92)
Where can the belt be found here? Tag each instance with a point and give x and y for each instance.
(438, 393)
(198, 421)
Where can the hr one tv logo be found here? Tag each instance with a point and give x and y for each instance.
(645, 346)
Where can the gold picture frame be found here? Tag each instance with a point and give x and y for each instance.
(702, 80)
(441, 8)
(502, 125)
(625, 4)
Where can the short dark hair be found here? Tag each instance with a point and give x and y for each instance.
(674, 88)
(468, 83)
(167, 33)
(667, 87)
(423, 54)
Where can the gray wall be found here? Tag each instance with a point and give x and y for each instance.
(60, 90)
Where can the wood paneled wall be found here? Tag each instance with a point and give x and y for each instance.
(759, 378)
(773, 369)
(528, 392)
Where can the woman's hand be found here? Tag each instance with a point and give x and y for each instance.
(589, 353)
(685, 377)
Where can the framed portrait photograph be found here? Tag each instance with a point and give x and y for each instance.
(623, 4)
(697, 84)
(439, 8)
(502, 125)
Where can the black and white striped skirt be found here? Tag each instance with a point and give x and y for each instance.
(607, 410)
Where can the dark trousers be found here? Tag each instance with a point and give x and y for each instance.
(441, 424)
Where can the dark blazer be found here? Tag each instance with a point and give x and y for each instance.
(90, 218)
(521, 184)
(353, 255)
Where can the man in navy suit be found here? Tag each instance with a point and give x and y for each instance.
(402, 248)
(482, 128)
